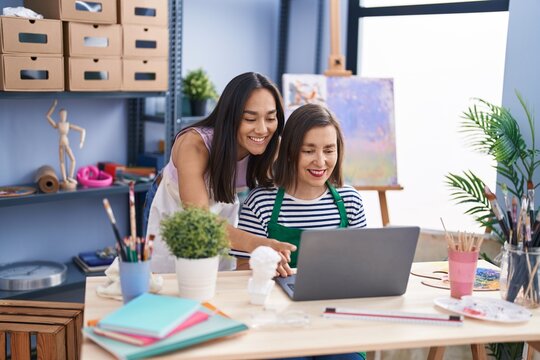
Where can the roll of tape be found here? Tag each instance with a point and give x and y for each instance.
(46, 179)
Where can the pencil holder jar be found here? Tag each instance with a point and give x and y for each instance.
(520, 274)
(134, 279)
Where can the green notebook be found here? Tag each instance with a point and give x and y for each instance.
(150, 315)
(216, 326)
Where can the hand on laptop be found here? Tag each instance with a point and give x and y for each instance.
(284, 249)
(283, 269)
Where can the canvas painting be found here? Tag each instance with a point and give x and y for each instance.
(365, 110)
(303, 89)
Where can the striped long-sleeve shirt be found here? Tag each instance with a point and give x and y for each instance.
(319, 213)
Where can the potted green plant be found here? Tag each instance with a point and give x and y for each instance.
(492, 130)
(198, 89)
(197, 238)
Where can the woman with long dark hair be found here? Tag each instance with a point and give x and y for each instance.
(233, 148)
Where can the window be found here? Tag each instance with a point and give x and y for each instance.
(439, 61)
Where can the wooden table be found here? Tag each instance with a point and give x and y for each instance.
(323, 336)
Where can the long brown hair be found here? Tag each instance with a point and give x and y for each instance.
(225, 119)
(303, 119)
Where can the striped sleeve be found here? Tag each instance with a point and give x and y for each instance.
(354, 207)
(257, 210)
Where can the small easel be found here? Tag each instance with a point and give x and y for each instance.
(336, 67)
(336, 60)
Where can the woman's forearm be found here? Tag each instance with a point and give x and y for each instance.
(244, 241)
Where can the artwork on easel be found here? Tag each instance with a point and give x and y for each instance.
(365, 109)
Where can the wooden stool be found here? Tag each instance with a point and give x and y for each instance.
(56, 325)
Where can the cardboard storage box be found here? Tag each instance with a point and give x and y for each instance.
(145, 41)
(92, 11)
(93, 40)
(31, 73)
(143, 12)
(18, 35)
(91, 74)
(145, 75)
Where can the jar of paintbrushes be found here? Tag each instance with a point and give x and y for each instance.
(520, 228)
(520, 274)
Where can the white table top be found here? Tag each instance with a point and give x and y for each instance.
(321, 335)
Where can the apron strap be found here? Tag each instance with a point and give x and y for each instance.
(277, 205)
(344, 221)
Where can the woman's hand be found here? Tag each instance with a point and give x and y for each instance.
(283, 269)
(284, 250)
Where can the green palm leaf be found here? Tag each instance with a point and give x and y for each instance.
(492, 130)
(469, 189)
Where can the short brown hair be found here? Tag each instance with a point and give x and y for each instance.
(303, 119)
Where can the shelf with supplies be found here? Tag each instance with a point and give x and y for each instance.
(69, 195)
(77, 94)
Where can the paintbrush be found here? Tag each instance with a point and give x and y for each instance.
(514, 220)
(499, 215)
(109, 211)
(449, 238)
(508, 206)
(530, 194)
(521, 219)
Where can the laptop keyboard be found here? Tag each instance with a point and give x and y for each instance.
(291, 286)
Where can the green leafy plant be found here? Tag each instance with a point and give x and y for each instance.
(197, 86)
(492, 130)
(195, 233)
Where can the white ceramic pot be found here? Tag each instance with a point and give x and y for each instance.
(197, 277)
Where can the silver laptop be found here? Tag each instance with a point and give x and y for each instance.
(352, 263)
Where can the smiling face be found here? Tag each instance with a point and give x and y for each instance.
(316, 161)
(258, 124)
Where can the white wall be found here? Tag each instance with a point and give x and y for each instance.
(227, 38)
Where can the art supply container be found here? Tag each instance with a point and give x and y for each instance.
(520, 274)
(134, 279)
(462, 272)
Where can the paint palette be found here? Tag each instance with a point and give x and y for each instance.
(486, 279)
(485, 309)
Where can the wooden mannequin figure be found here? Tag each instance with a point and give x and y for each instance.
(63, 127)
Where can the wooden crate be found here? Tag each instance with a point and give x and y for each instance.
(56, 325)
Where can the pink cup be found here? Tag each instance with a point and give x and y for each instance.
(462, 272)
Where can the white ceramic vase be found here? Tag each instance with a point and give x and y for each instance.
(197, 277)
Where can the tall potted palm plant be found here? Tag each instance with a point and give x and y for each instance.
(493, 130)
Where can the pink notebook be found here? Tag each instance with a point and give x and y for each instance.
(141, 340)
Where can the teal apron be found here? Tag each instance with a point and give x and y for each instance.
(292, 235)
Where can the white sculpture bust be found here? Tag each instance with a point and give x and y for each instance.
(263, 262)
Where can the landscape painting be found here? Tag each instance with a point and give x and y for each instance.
(365, 110)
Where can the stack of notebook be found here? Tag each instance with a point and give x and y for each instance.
(90, 262)
(154, 324)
